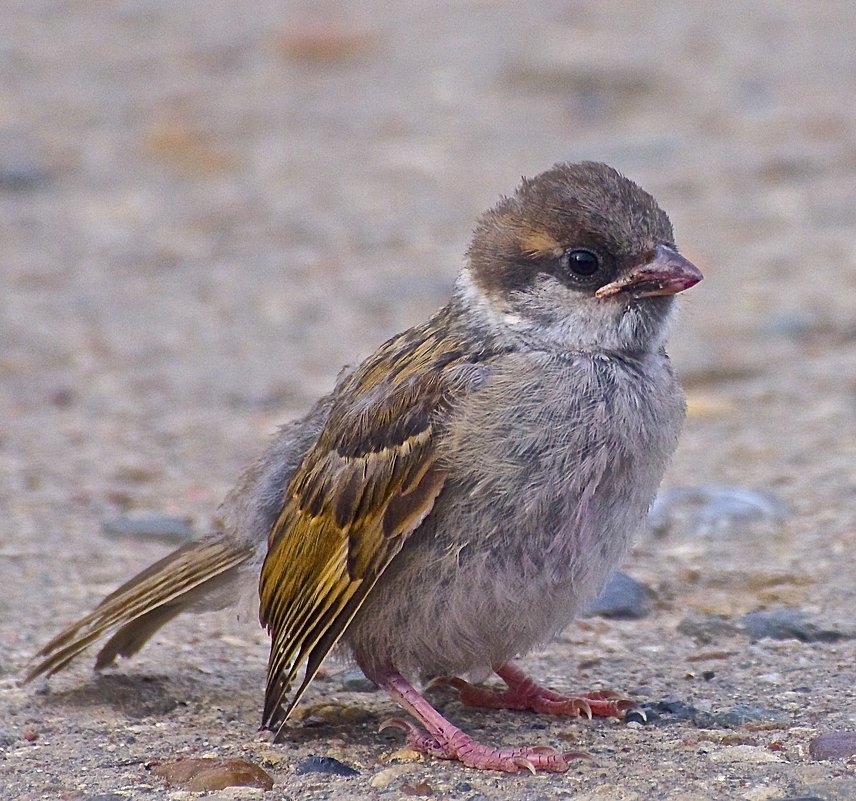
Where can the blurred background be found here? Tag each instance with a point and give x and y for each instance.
(207, 208)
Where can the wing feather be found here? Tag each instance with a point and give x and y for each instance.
(369, 482)
(140, 606)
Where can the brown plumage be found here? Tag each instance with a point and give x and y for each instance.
(360, 491)
(138, 608)
(465, 491)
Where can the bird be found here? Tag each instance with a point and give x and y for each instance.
(465, 491)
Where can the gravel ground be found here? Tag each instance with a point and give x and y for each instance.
(207, 208)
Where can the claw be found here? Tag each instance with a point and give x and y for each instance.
(397, 723)
(437, 737)
(522, 762)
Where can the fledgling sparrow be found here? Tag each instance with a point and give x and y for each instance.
(463, 493)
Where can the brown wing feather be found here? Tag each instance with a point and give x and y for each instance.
(371, 479)
(140, 606)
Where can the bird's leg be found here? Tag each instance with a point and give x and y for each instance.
(525, 693)
(440, 738)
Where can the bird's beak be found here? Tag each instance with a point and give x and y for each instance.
(667, 273)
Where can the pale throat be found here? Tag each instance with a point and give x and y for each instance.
(628, 329)
(497, 318)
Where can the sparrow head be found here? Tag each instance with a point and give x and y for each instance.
(578, 257)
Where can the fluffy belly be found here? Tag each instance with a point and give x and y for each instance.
(547, 488)
(454, 609)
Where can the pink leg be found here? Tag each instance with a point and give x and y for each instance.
(441, 739)
(524, 693)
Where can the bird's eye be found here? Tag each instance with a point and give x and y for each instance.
(582, 263)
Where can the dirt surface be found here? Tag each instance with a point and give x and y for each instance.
(206, 208)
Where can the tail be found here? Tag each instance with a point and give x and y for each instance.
(185, 578)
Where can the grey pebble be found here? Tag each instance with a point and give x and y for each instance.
(785, 624)
(623, 598)
(669, 711)
(714, 509)
(791, 325)
(736, 716)
(327, 765)
(705, 629)
(23, 176)
(22, 167)
(163, 528)
(833, 745)
(776, 624)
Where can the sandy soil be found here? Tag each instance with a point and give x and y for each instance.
(206, 208)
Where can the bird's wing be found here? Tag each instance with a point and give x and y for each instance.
(143, 604)
(369, 481)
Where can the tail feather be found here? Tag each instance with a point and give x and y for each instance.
(138, 608)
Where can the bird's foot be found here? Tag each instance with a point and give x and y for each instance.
(524, 693)
(438, 737)
(454, 744)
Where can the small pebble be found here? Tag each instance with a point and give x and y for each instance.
(623, 598)
(595, 87)
(22, 178)
(785, 624)
(62, 397)
(668, 711)
(20, 168)
(790, 325)
(327, 765)
(334, 714)
(833, 745)
(163, 528)
(421, 789)
(186, 148)
(326, 42)
(636, 716)
(735, 717)
(405, 755)
(664, 713)
(714, 509)
(707, 628)
(205, 774)
(382, 779)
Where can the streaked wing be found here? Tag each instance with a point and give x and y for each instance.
(370, 480)
(144, 603)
